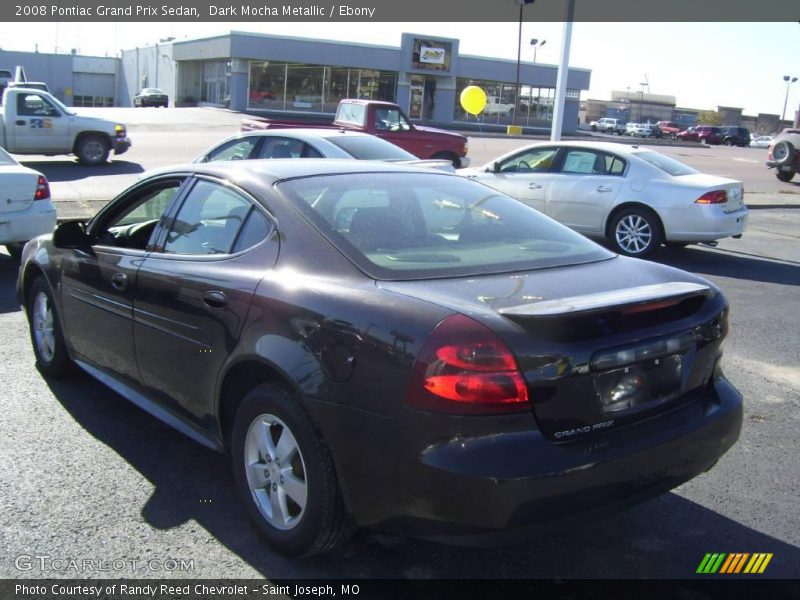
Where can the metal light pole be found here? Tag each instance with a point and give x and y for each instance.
(536, 43)
(789, 80)
(522, 4)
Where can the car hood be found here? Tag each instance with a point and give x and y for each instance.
(439, 131)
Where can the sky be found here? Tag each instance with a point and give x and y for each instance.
(702, 64)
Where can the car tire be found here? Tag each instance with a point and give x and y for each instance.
(785, 175)
(593, 127)
(674, 136)
(47, 336)
(783, 153)
(701, 140)
(92, 150)
(728, 142)
(15, 250)
(636, 232)
(296, 506)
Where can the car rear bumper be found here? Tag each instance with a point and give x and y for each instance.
(703, 223)
(507, 487)
(21, 226)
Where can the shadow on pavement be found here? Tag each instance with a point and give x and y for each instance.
(664, 538)
(727, 263)
(8, 279)
(71, 170)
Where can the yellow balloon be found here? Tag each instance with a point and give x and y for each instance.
(473, 99)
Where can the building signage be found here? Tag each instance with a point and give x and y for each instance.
(434, 56)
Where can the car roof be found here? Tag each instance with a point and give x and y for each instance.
(271, 170)
(306, 133)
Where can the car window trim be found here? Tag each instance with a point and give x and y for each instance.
(558, 162)
(166, 226)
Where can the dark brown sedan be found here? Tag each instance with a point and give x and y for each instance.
(388, 347)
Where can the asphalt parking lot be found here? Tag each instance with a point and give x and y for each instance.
(87, 475)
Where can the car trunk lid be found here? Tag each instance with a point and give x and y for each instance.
(599, 345)
(19, 188)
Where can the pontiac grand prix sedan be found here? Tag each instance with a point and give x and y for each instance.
(633, 196)
(387, 346)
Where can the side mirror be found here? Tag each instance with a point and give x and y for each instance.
(71, 234)
(495, 167)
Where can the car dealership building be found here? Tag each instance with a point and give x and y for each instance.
(276, 74)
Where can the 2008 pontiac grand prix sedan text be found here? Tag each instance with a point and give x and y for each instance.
(388, 347)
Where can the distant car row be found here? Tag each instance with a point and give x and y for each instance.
(705, 134)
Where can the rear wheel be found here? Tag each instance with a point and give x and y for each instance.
(785, 175)
(636, 232)
(285, 474)
(92, 150)
(46, 333)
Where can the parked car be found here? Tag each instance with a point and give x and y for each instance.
(608, 125)
(735, 136)
(635, 197)
(313, 143)
(669, 128)
(26, 210)
(638, 130)
(386, 346)
(762, 141)
(784, 154)
(151, 97)
(706, 134)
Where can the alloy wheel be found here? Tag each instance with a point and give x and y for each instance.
(634, 234)
(276, 472)
(43, 327)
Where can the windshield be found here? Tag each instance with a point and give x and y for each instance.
(416, 226)
(666, 164)
(370, 148)
(61, 106)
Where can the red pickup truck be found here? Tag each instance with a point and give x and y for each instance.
(388, 121)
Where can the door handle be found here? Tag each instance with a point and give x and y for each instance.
(19, 122)
(215, 299)
(602, 188)
(535, 186)
(119, 281)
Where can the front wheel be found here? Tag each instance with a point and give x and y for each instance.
(92, 150)
(636, 232)
(47, 335)
(785, 175)
(285, 474)
(783, 153)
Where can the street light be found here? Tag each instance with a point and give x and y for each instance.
(522, 4)
(789, 80)
(536, 45)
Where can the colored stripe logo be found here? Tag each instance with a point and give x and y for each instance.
(734, 563)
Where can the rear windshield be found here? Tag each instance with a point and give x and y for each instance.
(419, 225)
(370, 148)
(666, 164)
(5, 158)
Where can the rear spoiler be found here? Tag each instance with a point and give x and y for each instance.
(442, 164)
(673, 292)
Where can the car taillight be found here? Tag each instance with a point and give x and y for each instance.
(715, 197)
(42, 189)
(464, 368)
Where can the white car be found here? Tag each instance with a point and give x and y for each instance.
(633, 196)
(762, 141)
(25, 206)
(638, 129)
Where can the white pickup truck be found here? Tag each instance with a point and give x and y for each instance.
(35, 122)
(496, 106)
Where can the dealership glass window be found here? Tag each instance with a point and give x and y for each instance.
(216, 82)
(315, 88)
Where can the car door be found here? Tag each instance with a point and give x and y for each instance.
(39, 126)
(524, 176)
(584, 187)
(98, 283)
(193, 293)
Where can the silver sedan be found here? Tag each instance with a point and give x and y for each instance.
(633, 196)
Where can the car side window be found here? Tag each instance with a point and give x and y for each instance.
(34, 105)
(285, 147)
(390, 119)
(614, 165)
(208, 221)
(530, 161)
(133, 225)
(238, 149)
(583, 162)
(257, 228)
